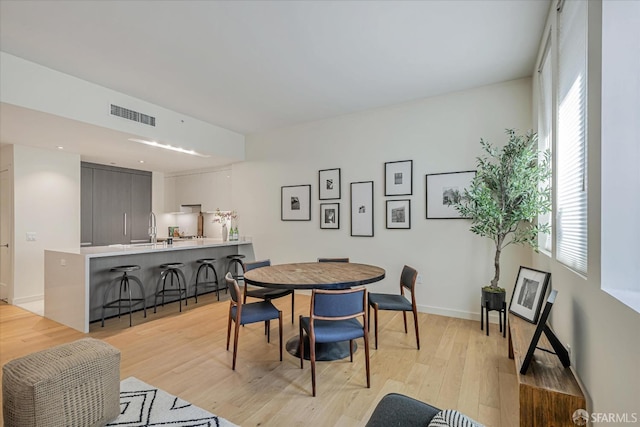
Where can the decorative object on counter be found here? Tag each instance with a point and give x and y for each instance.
(329, 184)
(330, 216)
(444, 190)
(398, 178)
(295, 203)
(174, 231)
(399, 214)
(362, 209)
(223, 217)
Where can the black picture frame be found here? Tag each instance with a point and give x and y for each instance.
(362, 209)
(543, 327)
(295, 202)
(528, 293)
(330, 216)
(440, 188)
(398, 178)
(399, 214)
(329, 184)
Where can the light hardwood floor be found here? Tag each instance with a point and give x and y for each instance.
(458, 366)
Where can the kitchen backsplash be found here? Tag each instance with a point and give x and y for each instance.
(188, 224)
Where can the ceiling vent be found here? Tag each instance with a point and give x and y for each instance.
(136, 116)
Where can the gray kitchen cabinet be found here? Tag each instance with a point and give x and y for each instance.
(120, 205)
(86, 206)
(140, 207)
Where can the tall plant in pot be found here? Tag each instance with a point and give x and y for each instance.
(506, 196)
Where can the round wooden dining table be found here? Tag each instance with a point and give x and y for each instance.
(315, 275)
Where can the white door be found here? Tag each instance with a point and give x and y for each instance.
(6, 234)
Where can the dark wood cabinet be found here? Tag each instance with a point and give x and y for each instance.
(120, 203)
(86, 206)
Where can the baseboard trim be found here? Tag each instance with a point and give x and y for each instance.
(24, 300)
(448, 312)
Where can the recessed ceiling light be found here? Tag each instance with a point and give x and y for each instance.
(140, 161)
(168, 147)
(60, 147)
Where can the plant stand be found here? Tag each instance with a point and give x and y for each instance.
(485, 308)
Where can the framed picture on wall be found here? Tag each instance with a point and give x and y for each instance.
(295, 203)
(330, 216)
(528, 293)
(362, 209)
(329, 184)
(445, 189)
(398, 178)
(399, 214)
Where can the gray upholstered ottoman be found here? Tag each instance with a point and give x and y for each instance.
(74, 384)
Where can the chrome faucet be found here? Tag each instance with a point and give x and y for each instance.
(153, 229)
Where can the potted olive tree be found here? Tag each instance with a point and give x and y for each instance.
(506, 196)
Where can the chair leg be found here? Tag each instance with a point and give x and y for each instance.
(312, 350)
(293, 301)
(369, 317)
(229, 328)
(301, 344)
(366, 355)
(415, 321)
(267, 325)
(235, 345)
(280, 330)
(404, 317)
(351, 351)
(375, 322)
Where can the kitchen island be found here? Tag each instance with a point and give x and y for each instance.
(75, 280)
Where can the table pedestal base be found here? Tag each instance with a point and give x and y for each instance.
(324, 351)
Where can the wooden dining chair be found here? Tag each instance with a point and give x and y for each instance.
(333, 259)
(396, 302)
(243, 314)
(266, 294)
(334, 318)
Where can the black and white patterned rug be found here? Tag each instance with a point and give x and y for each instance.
(144, 405)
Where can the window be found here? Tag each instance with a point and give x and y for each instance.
(545, 116)
(571, 153)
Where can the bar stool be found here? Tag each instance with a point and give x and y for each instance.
(171, 271)
(235, 261)
(207, 264)
(124, 287)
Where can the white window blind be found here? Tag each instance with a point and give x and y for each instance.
(571, 153)
(545, 116)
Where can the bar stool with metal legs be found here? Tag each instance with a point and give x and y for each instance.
(125, 286)
(236, 266)
(207, 264)
(171, 271)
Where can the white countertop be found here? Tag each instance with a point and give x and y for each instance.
(141, 248)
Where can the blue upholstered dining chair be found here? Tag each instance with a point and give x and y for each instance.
(242, 314)
(265, 293)
(395, 302)
(334, 318)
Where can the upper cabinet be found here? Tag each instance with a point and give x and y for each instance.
(115, 205)
(210, 190)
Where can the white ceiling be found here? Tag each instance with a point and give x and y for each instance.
(252, 66)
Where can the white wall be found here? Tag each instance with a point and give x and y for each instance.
(601, 331)
(439, 134)
(47, 203)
